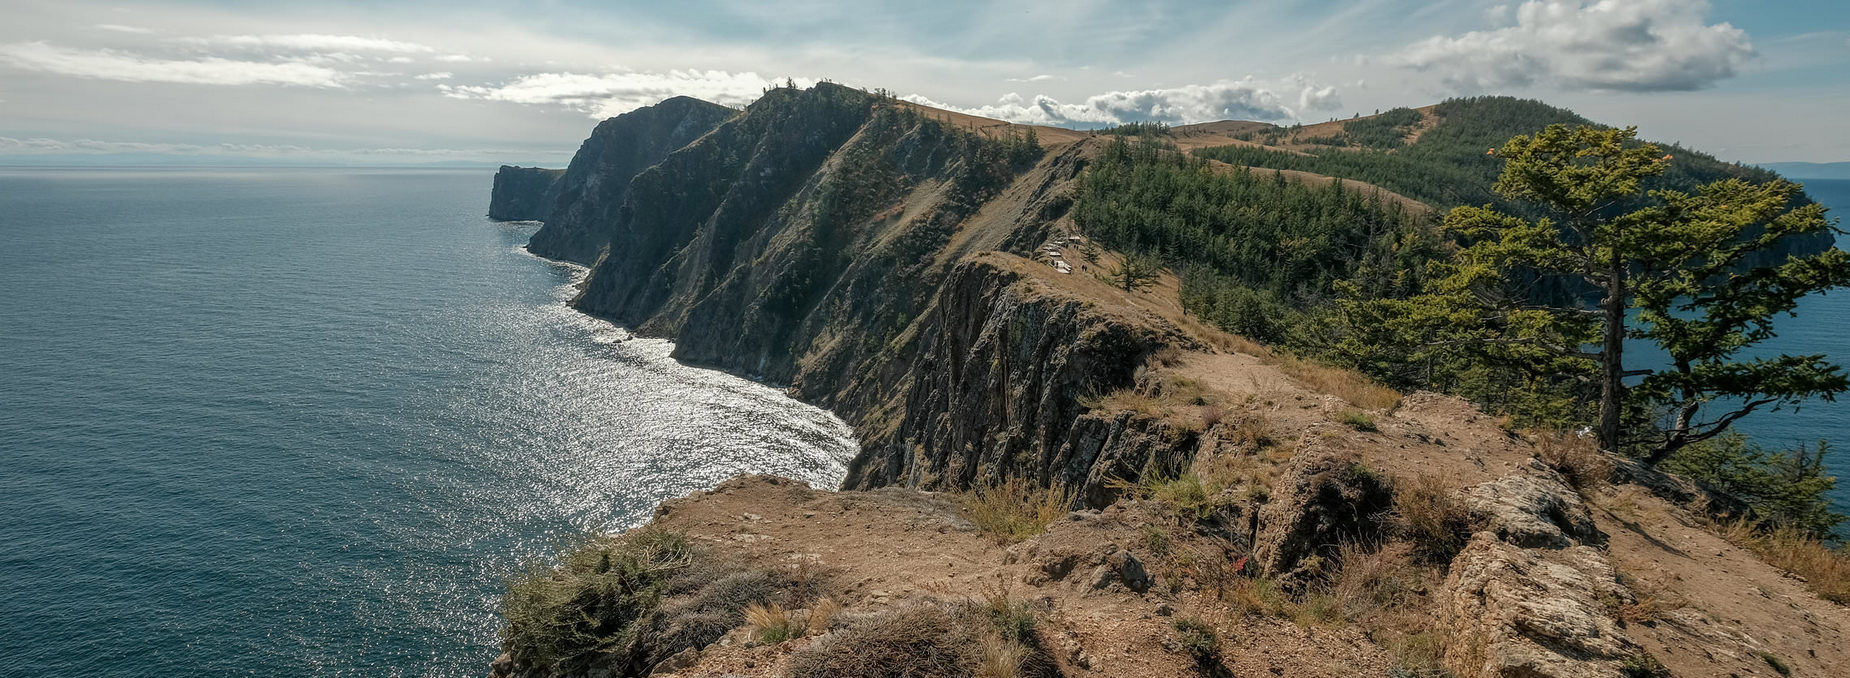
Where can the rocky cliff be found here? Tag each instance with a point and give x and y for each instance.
(1234, 512)
(594, 187)
(523, 193)
(874, 259)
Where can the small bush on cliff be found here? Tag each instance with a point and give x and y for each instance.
(627, 602)
(1014, 510)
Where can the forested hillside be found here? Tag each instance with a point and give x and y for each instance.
(1449, 164)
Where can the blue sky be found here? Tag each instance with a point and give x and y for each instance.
(471, 81)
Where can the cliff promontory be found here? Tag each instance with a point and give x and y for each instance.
(1061, 475)
(524, 193)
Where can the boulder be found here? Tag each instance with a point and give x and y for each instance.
(1322, 500)
(1534, 508)
(1534, 613)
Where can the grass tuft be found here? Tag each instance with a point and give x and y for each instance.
(1014, 510)
(1357, 419)
(771, 624)
(1433, 520)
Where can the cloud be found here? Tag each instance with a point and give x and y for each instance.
(445, 75)
(1590, 45)
(458, 58)
(610, 94)
(312, 42)
(1244, 99)
(114, 65)
(45, 146)
(119, 28)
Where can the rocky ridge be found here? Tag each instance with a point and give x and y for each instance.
(894, 268)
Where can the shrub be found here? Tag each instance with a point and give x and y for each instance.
(1643, 666)
(1783, 488)
(1202, 644)
(1773, 661)
(1358, 420)
(629, 601)
(1577, 459)
(1014, 510)
(1433, 520)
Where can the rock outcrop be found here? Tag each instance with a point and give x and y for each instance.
(1322, 500)
(1532, 595)
(523, 193)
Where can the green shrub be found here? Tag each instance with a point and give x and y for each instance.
(1358, 420)
(1201, 642)
(1783, 488)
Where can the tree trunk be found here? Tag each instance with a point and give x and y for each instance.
(1612, 363)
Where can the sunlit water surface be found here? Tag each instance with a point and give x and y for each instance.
(303, 422)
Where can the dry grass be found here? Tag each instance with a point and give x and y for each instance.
(771, 624)
(1001, 657)
(1826, 570)
(821, 614)
(1576, 458)
(992, 639)
(1349, 385)
(1434, 520)
(1014, 510)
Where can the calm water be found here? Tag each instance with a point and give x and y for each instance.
(301, 422)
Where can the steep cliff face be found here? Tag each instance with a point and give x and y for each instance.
(595, 185)
(523, 193)
(871, 257)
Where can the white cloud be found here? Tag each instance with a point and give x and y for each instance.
(1244, 99)
(45, 146)
(1595, 45)
(610, 94)
(457, 59)
(114, 65)
(313, 42)
(445, 75)
(119, 28)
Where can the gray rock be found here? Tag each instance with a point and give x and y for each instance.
(1535, 508)
(1536, 612)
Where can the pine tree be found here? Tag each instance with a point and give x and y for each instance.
(1678, 261)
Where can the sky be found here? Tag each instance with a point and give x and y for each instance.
(347, 82)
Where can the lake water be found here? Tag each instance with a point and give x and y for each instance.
(303, 422)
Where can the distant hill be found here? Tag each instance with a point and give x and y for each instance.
(1438, 154)
(1810, 170)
